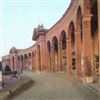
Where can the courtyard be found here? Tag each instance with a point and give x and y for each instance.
(55, 86)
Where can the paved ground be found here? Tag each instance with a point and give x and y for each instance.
(55, 87)
(14, 86)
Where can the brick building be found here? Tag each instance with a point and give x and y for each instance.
(71, 45)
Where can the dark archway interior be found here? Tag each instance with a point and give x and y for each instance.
(79, 22)
(94, 19)
(22, 61)
(55, 44)
(63, 38)
(13, 62)
(29, 54)
(94, 34)
(63, 60)
(48, 47)
(72, 37)
(25, 56)
(18, 58)
(21, 57)
(72, 34)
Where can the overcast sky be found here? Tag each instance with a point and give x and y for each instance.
(20, 17)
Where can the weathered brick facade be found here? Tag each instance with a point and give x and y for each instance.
(70, 45)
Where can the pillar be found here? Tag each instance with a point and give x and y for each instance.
(52, 58)
(78, 52)
(69, 55)
(37, 60)
(59, 56)
(87, 48)
(32, 62)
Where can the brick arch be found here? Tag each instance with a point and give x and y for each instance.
(70, 28)
(94, 18)
(63, 39)
(55, 53)
(95, 34)
(25, 56)
(48, 46)
(29, 54)
(62, 33)
(13, 63)
(71, 36)
(22, 61)
(63, 51)
(79, 18)
(71, 33)
(55, 43)
(49, 51)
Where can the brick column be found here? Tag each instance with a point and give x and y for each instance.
(11, 62)
(87, 48)
(69, 55)
(47, 65)
(78, 52)
(36, 60)
(98, 1)
(48, 62)
(52, 58)
(32, 62)
(16, 62)
(59, 56)
(56, 61)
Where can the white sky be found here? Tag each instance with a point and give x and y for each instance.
(19, 17)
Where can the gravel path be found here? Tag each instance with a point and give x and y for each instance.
(50, 86)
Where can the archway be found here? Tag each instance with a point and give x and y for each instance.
(55, 53)
(25, 60)
(63, 51)
(21, 65)
(13, 63)
(29, 61)
(19, 60)
(95, 39)
(9, 62)
(72, 39)
(49, 55)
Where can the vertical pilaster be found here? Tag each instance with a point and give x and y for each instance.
(69, 56)
(16, 62)
(78, 52)
(87, 48)
(59, 56)
(52, 58)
